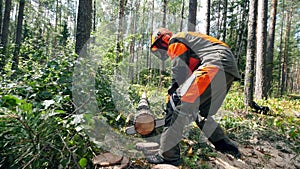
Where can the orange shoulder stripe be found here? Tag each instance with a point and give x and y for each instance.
(176, 49)
(209, 38)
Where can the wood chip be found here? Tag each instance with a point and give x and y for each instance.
(147, 146)
(107, 159)
(164, 166)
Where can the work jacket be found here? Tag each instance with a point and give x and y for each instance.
(190, 50)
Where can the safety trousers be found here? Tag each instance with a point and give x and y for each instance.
(200, 99)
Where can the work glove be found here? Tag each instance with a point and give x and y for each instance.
(173, 88)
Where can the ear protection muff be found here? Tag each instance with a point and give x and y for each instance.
(166, 38)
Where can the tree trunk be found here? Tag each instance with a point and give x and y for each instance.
(284, 73)
(249, 72)
(218, 20)
(240, 42)
(162, 63)
(133, 43)
(55, 24)
(182, 16)
(280, 46)
(18, 35)
(260, 91)
(149, 59)
(84, 25)
(270, 47)
(224, 20)
(5, 33)
(94, 16)
(119, 42)
(192, 15)
(1, 15)
(207, 17)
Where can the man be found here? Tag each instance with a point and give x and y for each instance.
(203, 69)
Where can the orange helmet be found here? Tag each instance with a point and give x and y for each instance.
(160, 41)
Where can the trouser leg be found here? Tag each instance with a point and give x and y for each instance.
(210, 102)
(173, 131)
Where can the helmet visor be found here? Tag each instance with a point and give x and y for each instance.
(159, 48)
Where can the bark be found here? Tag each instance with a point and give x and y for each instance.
(162, 63)
(207, 17)
(270, 47)
(56, 23)
(149, 59)
(192, 15)
(260, 91)
(251, 47)
(1, 15)
(182, 16)
(224, 20)
(84, 25)
(94, 14)
(133, 43)
(5, 33)
(18, 35)
(280, 46)
(119, 42)
(285, 58)
(218, 21)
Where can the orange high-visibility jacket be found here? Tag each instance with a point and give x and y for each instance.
(189, 50)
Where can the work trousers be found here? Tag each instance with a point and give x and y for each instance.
(201, 110)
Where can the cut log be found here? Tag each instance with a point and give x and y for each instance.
(147, 146)
(150, 152)
(144, 123)
(107, 159)
(164, 166)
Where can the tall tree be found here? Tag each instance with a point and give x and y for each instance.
(207, 28)
(181, 16)
(163, 63)
(5, 33)
(18, 35)
(133, 29)
(260, 91)
(84, 25)
(285, 58)
(1, 15)
(251, 47)
(119, 42)
(224, 20)
(270, 47)
(192, 15)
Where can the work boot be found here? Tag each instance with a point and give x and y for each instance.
(226, 146)
(158, 159)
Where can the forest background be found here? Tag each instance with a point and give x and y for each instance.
(69, 66)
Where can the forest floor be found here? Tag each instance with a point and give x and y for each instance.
(260, 147)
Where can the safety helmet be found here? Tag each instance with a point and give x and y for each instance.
(160, 41)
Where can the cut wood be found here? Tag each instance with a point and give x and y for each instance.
(144, 123)
(107, 159)
(164, 166)
(124, 163)
(150, 152)
(147, 146)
